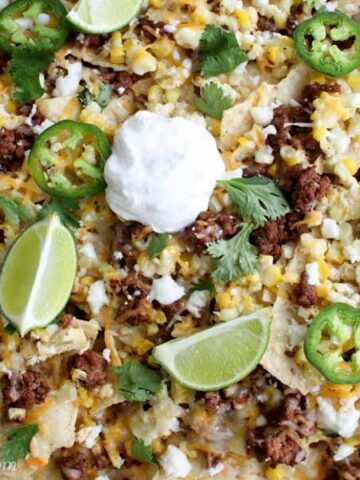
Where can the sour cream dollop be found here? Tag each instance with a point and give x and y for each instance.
(162, 171)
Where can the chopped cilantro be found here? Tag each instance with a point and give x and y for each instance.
(17, 442)
(234, 256)
(104, 96)
(219, 51)
(157, 244)
(26, 66)
(258, 199)
(65, 208)
(142, 452)
(14, 210)
(85, 96)
(213, 101)
(203, 285)
(137, 382)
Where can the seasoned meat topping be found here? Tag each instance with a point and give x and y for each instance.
(94, 365)
(94, 42)
(13, 145)
(26, 390)
(122, 81)
(75, 467)
(305, 294)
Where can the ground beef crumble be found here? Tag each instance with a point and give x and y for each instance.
(93, 364)
(13, 145)
(210, 227)
(305, 294)
(26, 390)
(121, 81)
(75, 466)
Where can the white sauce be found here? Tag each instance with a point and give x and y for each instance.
(67, 86)
(162, 171)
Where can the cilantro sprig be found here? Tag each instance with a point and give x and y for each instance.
(202, 286)
(142, 452)
(258, 199)
(17, 442)
(157, 244)
(14, 211)
(235, 256)
(103, 98)
(219, 51)
(66, 210)
(213, 102)
(137, 382)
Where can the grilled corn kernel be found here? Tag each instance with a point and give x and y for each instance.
(11, 106)
(163, 47)
(351, 165)
(273, 169)
(273, 53)
(142, 346)
(277, 473)
(272, 276)
(319, 133)
(323, 270)
(155, 94)
(117, 55)
(334, 254)
(172, 95)
(215, 126)
(322, 291)
(243, 18)
(354, 81)
(157, 3)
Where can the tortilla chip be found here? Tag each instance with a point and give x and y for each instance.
(97, 59)
(292, 85)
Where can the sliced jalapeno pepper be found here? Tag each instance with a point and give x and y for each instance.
(33, 23)
(67, 160)
(332, 343)
(329, 42)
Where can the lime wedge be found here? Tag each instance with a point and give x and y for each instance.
(38, 274)
(219, 356)
(103, 16)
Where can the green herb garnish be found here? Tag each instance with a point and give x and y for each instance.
(65, 208)
(213, 101)
(157, 244)
(201, 286)
(137, 382)
(14, 211)
(102, 99)
(142, 452)
(219, 51)
(17, 442)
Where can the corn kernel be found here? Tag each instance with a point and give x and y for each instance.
(163, 47)
(157, 446)
(248, 304)
(334, 255)
(142, 346)
(11, 106)
(157, 3)
(319, 133)
(155, 94)
(172, 95)
(273, 170)
(272, 276)
(223, 300)
(323, 270)
(291, 161)
(242, 141)
(351, 165)
(86, 399)
(117, 55)
(354, 81)
(215, 126)
(291, 278)
(143, 62)
(277, 473)
(243, 18)
(322, 291)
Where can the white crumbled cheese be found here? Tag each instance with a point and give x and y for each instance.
(175, 462)
(88, 435)
(264, 155)
(343, 421)
(118, 255)
(43, 19)
(330, 228)
(24, 23)
(262, 115)
(67, 86)
(107, 354)
(261, 421)
(269, 130)
(162, 171)
(102, 477)
(352, 251)
(343, 451)
(188, 37)
(312, 271)
(52, 328)
(97, 297)
(165, 290)
(37, 129)
(16, 414)
(296, 333)
(169, 28)
(212, 471)
(88, 251)
(236, 173)
(196, 302)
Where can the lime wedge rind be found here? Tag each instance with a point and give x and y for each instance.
(35, 283)
(249, 333)
(103, 16)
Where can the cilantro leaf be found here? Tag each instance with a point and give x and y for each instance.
(201, 286)
(213, 101)
(234, 256)
(17, 442)
(85, 96)
(65, 208)
(14, 210)
(219, 51)
(137, 382)
(25, 67)
(157, 244)
(104, 96)
(142, 452)
(256, 198)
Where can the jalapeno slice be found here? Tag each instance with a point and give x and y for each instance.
(329, 42)
(33, 23)
(332, 343)
(67, 160)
